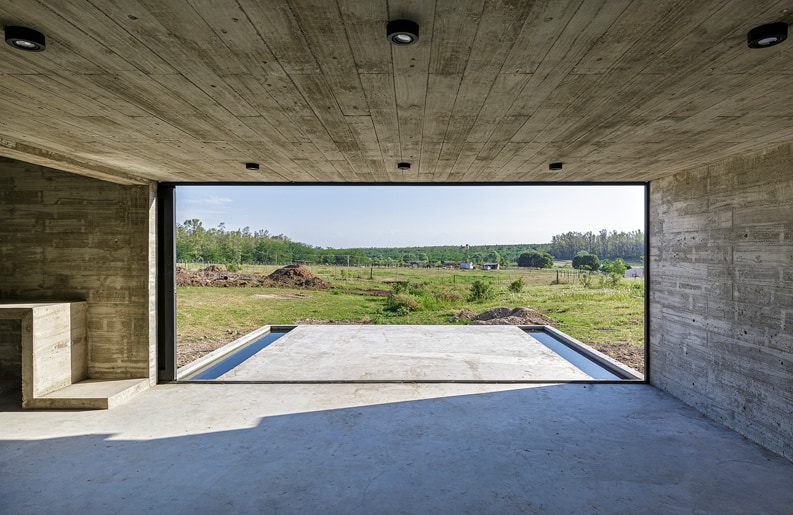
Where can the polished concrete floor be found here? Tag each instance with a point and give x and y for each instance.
(385, 448)
(405, 353)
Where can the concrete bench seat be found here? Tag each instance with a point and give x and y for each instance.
(92, 394)
(54, 358)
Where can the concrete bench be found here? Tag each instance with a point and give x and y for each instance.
(54, 359)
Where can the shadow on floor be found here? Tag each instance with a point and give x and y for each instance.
(552, 449)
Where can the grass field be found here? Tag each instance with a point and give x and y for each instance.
(597, 314)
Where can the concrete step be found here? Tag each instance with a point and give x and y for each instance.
(91, 394)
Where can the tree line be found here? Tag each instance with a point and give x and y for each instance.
(605, 244)
(196, 243)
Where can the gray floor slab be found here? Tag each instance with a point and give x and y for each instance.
(395, 448)
(407, 353)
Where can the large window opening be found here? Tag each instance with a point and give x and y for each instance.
(559, 260)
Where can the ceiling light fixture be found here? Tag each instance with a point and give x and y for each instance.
(403, 32)
(251, 166)
(555, 166)
(23, 38)
(767, 35)
(403, 166)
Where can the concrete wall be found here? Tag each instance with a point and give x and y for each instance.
(721, 316)
(64, 237)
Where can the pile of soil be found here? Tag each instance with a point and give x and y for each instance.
(290, 276)
(214, 275)
(296, 276)
(504, 316)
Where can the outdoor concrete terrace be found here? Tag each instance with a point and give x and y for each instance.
(396, 448)
(405, 353)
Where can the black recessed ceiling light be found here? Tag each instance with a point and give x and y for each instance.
(555, 166)
(23, 38)
(251, 166)
(767, 35)
(403, 166)
(403, 32)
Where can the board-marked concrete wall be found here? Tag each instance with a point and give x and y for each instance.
(721, 308)
(68, 238)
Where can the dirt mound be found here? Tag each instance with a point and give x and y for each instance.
(212, 275)
(296, 276)
(505, 316)
(463, 315)
(290, 276)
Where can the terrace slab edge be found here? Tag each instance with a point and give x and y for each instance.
(218, 354)
(603, 360)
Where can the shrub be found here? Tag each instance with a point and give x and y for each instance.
(233, 267)
(535, 259)
(448, 296)
(586, 262)
(618, 267)
(400, 287)
(402, 303)
(517, 285)
(480, 291)
(613, 279)
(586, 280)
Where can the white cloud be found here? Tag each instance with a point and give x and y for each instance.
(212, 200)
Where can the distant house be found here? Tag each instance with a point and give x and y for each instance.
(634, 272)
(466, 266)
(490, 266)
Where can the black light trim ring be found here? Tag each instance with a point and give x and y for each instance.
(767, 35)
(23, 38)
(403, 32)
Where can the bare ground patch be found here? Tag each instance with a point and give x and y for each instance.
(281, 296)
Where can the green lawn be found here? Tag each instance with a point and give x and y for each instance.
(598, 314)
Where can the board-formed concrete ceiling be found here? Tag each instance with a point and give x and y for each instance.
(191, 90)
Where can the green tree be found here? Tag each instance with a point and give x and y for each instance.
(618, 268)
(535, 259)
(586, 262)
(493, 257)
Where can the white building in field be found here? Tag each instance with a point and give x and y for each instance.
(466, 265)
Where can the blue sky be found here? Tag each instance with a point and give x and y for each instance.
(397, 216)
